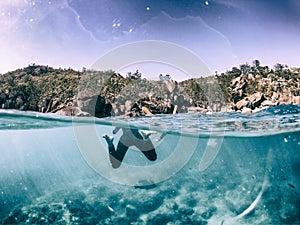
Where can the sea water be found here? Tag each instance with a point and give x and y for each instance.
(222, 168)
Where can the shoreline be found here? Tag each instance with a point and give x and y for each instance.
(106, 93)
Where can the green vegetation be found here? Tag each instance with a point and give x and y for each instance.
(35, 85)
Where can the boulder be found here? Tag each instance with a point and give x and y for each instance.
(95, 105)
(251, 76)
(236, 97)
(115, 110)
(296, 100)
(241, 104)
(284, 99)
(257, 77)
(158, 105)
(82, 97)
(256, 99)
(235, 81)
(77, 112)
(71, 111)
(246, 110)
(65, 112)
(121, 100)
(128, 104)
(268, 103)
(256, 110)
(196, 109)
(227, 108)
(122, 109)
(179, 100)
(241, 86)
(275, 96)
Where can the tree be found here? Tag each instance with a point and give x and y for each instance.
(279, 67)
(161, 77)
(256, 63)
(256, 66)
(30, 69)
(245, 68)
(135, 75)
(166, 77)
(235, 71)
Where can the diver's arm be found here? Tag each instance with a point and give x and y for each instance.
(161, 136)
(116, 130)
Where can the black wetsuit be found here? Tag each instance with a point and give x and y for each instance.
(130, 137)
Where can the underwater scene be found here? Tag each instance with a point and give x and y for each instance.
(216, 169)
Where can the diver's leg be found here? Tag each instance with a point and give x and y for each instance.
(150, 154)
(147, 149)
(117, 156)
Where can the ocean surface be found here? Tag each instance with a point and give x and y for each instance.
(217, 169)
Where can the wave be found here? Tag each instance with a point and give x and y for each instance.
(274, 120)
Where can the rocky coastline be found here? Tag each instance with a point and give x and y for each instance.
(247, 89)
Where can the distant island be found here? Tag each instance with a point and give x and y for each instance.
(248, 88)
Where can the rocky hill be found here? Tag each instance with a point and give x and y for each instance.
(246, 89)
(38, 88)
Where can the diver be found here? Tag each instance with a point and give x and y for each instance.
(130, 137)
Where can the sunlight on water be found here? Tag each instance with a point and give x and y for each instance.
(210, 169)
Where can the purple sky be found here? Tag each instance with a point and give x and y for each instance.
(75, 33)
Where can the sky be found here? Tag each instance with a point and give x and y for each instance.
(76, 33)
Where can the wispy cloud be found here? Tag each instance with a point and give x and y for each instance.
(79, 21)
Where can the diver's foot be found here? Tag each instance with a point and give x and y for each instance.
(146, 133)
(108, 139)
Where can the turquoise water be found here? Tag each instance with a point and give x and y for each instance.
(223, 168)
